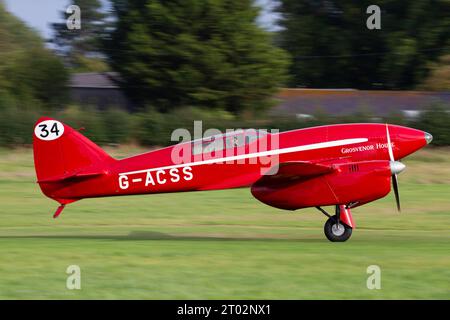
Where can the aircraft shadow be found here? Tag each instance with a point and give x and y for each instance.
(157, 236)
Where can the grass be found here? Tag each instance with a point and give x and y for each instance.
(222, 244)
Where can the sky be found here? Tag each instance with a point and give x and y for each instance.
(267, 17)
(39, 14)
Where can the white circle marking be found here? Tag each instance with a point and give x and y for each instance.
(49, 130)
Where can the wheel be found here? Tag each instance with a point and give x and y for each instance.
(336, 233)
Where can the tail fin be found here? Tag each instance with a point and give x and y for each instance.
(62, 153)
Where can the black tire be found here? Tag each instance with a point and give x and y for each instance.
(336, 234)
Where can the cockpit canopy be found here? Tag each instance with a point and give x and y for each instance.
(232, 139)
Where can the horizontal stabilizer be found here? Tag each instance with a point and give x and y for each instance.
(73, 175)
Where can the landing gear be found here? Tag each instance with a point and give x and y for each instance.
(337, 230)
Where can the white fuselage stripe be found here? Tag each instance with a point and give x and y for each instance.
(320, 145)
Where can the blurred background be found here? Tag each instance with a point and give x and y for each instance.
(135, 70)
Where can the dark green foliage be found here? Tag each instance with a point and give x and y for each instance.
(17, 119)
(81, 47)
(117, 125)
(148, 127)
(207, 53)
(37, 73)
(110, 127)
(436, 120)
(153, 128)
(88, 120)
(30, 75)
(332, 47)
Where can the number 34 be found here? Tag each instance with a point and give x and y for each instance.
(49, 130)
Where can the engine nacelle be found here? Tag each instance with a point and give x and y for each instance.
(350, 183)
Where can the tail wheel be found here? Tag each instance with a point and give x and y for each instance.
(337, 232)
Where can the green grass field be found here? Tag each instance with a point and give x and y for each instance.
(222, 244)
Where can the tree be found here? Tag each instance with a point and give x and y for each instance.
(81, 48)
(30, 74)
(208, 53)
(439, 76)
(332, 47)
(39, 74)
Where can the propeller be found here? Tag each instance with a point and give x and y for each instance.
(395, 186)
(396, 168)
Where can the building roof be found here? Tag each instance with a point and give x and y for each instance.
(306, 102)
(94, 80)
(348, 101)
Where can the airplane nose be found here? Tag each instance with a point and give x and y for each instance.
(428, 137)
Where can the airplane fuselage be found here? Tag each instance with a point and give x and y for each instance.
(157, 172)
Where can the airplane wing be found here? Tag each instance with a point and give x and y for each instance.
(294, 170)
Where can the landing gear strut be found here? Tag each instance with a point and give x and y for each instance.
(335, 229)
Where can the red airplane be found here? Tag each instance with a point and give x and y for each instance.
(344, 166)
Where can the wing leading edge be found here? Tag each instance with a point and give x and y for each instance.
(291, 171)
